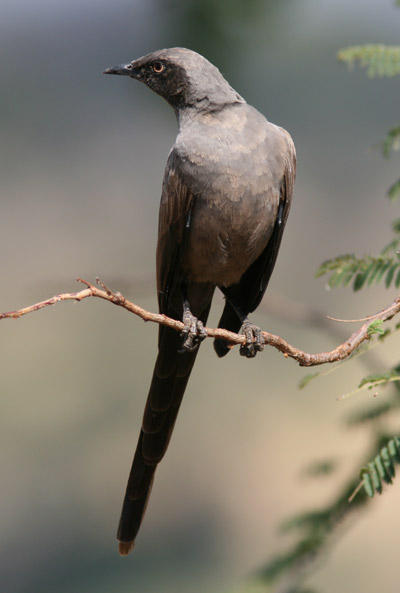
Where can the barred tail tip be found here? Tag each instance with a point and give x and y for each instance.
(125, 547)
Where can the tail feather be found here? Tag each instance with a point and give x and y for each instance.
(230, 321)
(170, 377)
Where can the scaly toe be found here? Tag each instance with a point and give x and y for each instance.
(193, 333)
(259, 340)
(254, 340)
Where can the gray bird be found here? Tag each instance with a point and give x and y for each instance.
(225, 199)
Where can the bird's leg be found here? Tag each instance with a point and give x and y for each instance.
(193, 333)
(254, 339)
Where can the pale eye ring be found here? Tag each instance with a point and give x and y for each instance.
(158, 67)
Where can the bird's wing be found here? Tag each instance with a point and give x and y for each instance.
(172, 368)
(174, 223)
(255, 279)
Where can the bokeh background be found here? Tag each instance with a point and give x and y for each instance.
(81, 161)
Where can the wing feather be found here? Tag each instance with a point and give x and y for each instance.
(174, 217)
(253, 284)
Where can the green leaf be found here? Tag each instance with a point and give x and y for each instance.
(359, 281)
(390, 274)
(377, 265)
(391, 142)
(397, 281)
(306, 379)
(348, 277)
(373, 379)
(302, 551)
(394, 191)
(388, 462)
(367, 483)
(391, 376)
(394, 449)
(376, 327)
(396, 224)
(366, 270)
(382, 270)
(381, 468)
(373, 472)
(382, 471)
(339, 262)
(377, 59)
(390, 247)
(335, 279)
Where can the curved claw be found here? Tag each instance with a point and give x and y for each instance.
(193, 333)
(254, 340)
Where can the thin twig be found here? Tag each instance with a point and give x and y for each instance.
(303, 358)
(368, 318)
(368, 385)
(356, 491)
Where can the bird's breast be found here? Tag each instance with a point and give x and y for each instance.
(234, 164)
(227, 235)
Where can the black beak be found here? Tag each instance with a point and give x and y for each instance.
(123, 70)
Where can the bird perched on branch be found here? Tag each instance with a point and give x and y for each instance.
(225, 199)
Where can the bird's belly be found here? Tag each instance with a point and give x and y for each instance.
(226, 237)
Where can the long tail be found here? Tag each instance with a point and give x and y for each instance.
(170, 376)
(229, 320)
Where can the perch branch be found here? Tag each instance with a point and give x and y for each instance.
(303, 358)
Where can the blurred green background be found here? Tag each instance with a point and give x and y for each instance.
(81, 161)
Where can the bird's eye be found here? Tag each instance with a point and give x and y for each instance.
(129, 66)
(158, 67)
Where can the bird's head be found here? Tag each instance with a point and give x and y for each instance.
(181, 76)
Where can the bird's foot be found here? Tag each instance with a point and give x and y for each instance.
(193, 333)
(254, 339)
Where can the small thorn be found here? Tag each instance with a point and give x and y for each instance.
(125, 547)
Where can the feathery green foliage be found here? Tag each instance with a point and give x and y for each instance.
(349, 268)
(378, 59)
(380, 409)
(344, 269)
(306, 379)
(316, 527)
(394, 190)
(376, 327)
(391, 142)
(396, 226)
(381, 468)
(374, 380)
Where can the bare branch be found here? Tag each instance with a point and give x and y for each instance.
(303, 358)
(369, 318)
